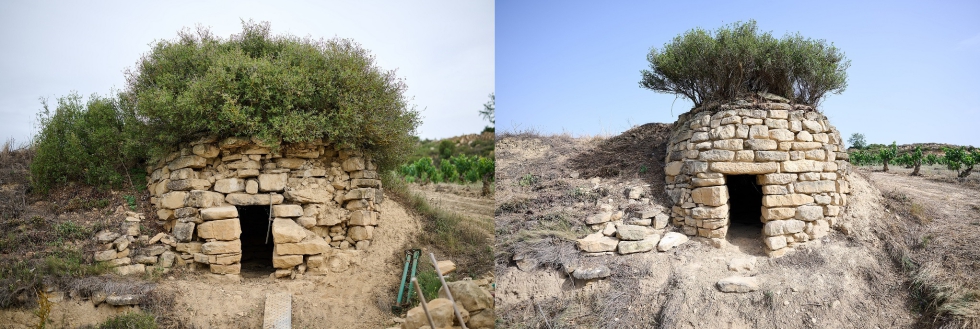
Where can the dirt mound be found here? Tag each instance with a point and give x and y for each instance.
(638, 152)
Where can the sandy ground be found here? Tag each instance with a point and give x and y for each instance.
(839, 281)
(358, 292)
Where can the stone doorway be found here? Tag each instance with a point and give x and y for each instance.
(745, 212)
(256, 250)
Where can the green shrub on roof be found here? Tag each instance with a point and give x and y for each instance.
(274, 87)
(737, 60)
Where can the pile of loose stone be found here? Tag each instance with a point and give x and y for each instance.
(128, 252)
(643, 231)
(475, 304)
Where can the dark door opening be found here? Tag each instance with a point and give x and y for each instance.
(745, 212)
(256, 253)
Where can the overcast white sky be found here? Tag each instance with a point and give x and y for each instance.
(443, 49)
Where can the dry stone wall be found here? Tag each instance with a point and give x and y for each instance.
(796, 155)
(321, 199)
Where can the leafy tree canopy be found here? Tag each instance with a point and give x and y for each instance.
(736, 59)
(274, 87)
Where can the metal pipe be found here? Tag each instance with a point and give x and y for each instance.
(404, 282)
(415, 262)
(449, 294)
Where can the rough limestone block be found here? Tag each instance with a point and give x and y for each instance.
(799, 166)
(809, 213)
(774, 189)
(597, 242)
(762, 156)
(825, 186)
(775, 242)
(285, 230)
(353, 164)
(744, 168)
(222, 247)
(804, 136)
(723, 132)
(780, 227)
(287, 210)
(173, 200)
(190, 161)
(728, 144)
(787, 200)
(738, 284)
(272, 182)
(225, 259)
(699, 182)
(229, 185)
(309, 196)
(225, 229)
(359, 193)
(219, 213)
(782, 135)
(671, 240)
(252, 186)
(226, 269)
(183, 231)
(629, 247)
(711, 196)
(704, 212)
(803, 146)
(716, 155)
(761, 144)
(242, 199)
(363, 218)
(205, 199)
(759, 132)
(358, 233)
(777, 124)
(633, 232)
(285, 261)
(312, 246)
(189, 184)
(290, 163)
(776, 179)
(206, 151)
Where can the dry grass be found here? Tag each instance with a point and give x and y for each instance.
(450, 233)
(941, 260)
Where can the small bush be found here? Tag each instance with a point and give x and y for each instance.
(737, 60)
(85, 143)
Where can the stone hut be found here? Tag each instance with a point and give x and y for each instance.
(769, 161)
(289, 205)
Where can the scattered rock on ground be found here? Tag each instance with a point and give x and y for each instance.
(629, 247)
(742, 264)
(597, 242)
(738, 284)
(671, 240)
(591, 272)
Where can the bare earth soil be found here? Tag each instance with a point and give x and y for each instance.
(547, 185)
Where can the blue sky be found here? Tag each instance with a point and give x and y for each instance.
(574, 66)
(444, 49)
